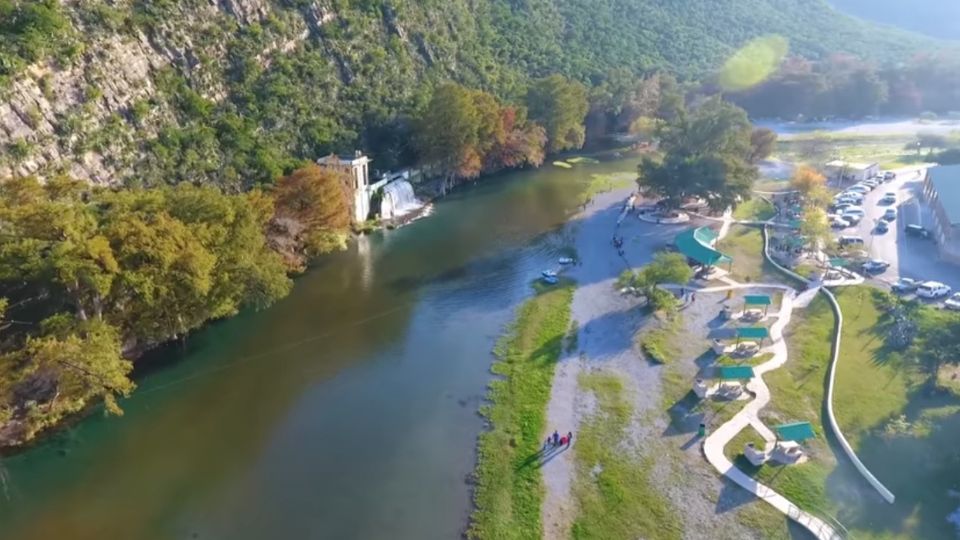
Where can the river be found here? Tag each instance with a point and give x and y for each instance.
(348, 410)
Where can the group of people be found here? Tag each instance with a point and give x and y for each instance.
(618, 243)
(556, 440)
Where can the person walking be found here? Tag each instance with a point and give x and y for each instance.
(569, 438)
(556, 438)
(693, 297)
(563, 440)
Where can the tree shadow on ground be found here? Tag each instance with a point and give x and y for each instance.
(686, 415)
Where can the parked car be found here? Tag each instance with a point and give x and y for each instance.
(852, 219)
(916, 230)
(839, 223)
(840, 207)
(889, 198)
(875, 265)
(890, 214)
(904, 285)
(889, 175)
(882, 227)
(852, 199)
(850, 240)
(953, 302)
(872, 184)
(863, 190)
(932, 289)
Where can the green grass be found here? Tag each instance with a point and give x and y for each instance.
(755, 360)
(658, 341)
(509, 490)
(755, 209)
(745, 245)
(601, 183)
(615, 495)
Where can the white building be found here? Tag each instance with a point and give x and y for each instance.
(851, 172)
(358, 169)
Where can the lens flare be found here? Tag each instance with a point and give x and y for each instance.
(753, 63)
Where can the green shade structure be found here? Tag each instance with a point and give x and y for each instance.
(752, 332)
(696, 244)
(734, 373)
(797, 431)
(758, 300)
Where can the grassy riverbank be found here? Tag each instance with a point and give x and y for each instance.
(509, 489)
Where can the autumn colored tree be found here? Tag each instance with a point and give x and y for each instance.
(806, 179)
(560, 106)
(313, 204)
(467, 132)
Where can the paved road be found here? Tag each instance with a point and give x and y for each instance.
(908, 256)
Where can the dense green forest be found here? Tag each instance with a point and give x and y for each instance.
(937, 18)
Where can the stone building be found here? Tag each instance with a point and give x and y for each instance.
(358, 168)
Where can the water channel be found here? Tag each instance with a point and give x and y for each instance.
(348, 410)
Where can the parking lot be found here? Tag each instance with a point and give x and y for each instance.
(908, 256)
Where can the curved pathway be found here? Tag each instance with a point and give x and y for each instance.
(714, 444)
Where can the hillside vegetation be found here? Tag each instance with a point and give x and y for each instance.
(239, 92)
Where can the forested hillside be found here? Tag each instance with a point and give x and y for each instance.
(937, 18)
(237, 92)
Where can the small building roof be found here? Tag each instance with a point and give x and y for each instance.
(946, 182)
(797, 431)
(734, 373)
(696, 244)
(757, 300)
(753, 332)
(840, 164)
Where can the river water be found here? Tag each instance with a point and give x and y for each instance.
(348, 410)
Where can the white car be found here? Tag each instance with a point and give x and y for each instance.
(932, 289)
(889, 198)
(858, 189)
(838, 222)
(890, 214)
(852, 218)
(875, 265)
(953, 302)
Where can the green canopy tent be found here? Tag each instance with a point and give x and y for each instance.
(757, 300)
(797, 432)
(697, 244)
(734, 373)
(752, 332)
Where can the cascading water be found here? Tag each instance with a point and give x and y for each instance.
(398, 200)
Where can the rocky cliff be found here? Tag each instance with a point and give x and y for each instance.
(235, 91)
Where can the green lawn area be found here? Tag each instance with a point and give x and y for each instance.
(745, 245)
(509, 489)
(755, 209)
(905, 436)
(613, 490)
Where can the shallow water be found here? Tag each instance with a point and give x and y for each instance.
(348, 410)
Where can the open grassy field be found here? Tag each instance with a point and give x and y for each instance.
(755, 209)
(744, 244)
(509, 489)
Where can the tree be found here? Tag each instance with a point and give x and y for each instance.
(815, 227)
(312, 214)
(762, 143)
(665, 268)
(941, 342)
(707, 155)
(560, 106)
(806, 180)
(465, 132)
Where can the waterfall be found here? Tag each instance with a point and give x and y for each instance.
(398, 200)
